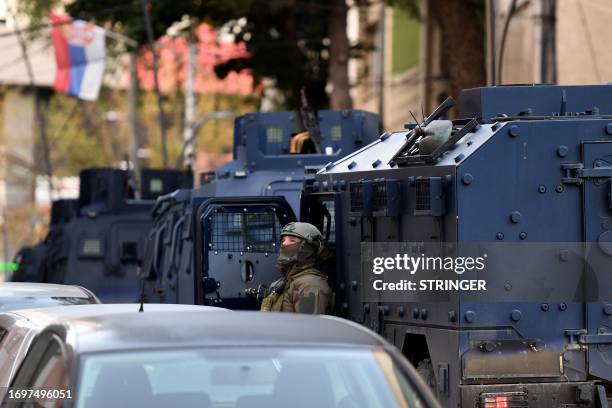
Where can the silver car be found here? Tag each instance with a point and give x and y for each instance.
(214, 359)
(19, 327)
(22, 295)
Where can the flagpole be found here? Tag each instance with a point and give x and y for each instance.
(134, 128)
(162, 124)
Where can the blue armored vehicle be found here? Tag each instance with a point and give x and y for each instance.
(523, 181)
(217, 244)
(34, 262)
(97, 241)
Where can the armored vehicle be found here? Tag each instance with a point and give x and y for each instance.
(524, 176)
(217, 244)
(33, 260)
(97, 241)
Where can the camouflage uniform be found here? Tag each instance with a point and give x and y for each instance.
(302, 288)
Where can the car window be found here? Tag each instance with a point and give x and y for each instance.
(51, 372)
(13, 303)
(245, 377)
(10, 343)
(44, 368)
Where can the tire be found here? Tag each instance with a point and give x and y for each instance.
(426, 371)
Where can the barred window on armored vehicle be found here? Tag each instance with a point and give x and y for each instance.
(336, 133)
(156, 185)
(248, 232)
(274, 134)
(91, 247)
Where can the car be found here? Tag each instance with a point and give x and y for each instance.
(19, 327)
(214, 359)
(23, 295)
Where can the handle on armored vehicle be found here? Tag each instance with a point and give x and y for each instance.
(258, 293)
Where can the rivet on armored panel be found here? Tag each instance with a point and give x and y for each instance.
(467, 179)
(514, 131)
(562, 151)
(470, 316)
(516, 315)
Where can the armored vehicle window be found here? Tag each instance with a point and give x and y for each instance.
(129, 251)
(249, 232)
(156, 185)
(422, 195)
(329, 221)
(91, 248)
(274, 134)
(336, 133)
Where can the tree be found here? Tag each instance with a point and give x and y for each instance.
(462, 32)
(339, 52)
(297, 43)
(463, 45)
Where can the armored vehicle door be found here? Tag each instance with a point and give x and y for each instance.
(595, 174)
(237, 241)
(323, 210)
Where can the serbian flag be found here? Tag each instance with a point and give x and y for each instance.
(80, 52)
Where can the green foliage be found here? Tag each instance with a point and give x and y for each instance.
(286, 39)
(406, 40)
(287, 42)
(80, 134)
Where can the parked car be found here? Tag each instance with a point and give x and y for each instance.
(21, 295)
(19, 327)
(216, 359)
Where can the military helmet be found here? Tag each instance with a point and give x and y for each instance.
(304, 230)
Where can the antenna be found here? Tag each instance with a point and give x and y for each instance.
(422, 112)
(142, 296)
(417, 123)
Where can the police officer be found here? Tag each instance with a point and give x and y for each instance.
(302, 287)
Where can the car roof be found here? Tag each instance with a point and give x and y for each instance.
(57, 314)
(203, 327)
(41, 290)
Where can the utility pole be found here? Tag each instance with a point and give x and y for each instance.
(38, 114)
(491, 20)
(381, 53)
(160, 106)
(548, 50)
(190, 102)
(134, 128)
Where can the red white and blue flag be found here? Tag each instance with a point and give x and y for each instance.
(80, 52)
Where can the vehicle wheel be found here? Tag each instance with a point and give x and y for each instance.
(426, 371)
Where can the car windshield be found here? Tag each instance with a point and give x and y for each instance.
(14, 303)
(245, 377)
